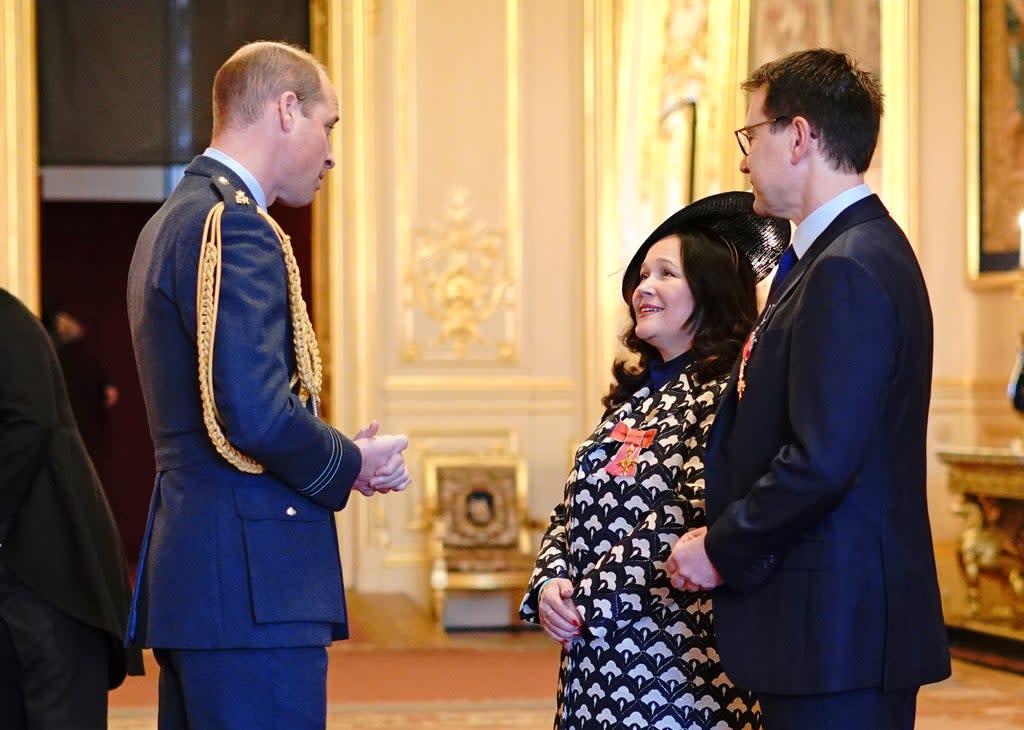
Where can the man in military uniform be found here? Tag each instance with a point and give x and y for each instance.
(240, 588)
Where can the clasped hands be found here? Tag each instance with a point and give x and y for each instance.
(689, 567)
(558, 615)
(383, 467)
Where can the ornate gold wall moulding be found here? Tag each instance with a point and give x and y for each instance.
(459, 301)
(453, 382)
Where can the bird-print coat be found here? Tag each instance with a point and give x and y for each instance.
(646, 657)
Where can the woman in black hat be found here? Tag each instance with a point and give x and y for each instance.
(636, 651)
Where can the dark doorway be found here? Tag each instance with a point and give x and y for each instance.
(85, 251)
(124, 86)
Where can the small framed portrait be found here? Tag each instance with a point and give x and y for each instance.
(479, 501)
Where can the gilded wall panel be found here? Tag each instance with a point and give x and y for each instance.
(457, 178)
(19, 187)
(456, 235)
(458, 298)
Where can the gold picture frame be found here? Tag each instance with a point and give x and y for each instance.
(479, 501)
(995, 144)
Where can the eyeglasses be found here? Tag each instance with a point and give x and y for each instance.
(743, 133)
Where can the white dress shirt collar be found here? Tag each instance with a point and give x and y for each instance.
(816, 223)
(239, 169)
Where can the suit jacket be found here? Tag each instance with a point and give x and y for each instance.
(57, 533)
(815, 479)
(230, 559)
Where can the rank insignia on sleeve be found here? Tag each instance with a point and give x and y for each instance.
(241, 198)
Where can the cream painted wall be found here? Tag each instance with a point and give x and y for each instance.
(473, 115)
(975, 330)
(528, 100)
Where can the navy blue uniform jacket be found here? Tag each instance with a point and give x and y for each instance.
(815, 480)
(231, 560)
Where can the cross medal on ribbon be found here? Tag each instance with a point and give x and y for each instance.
(748, 349)
(633, 441)
(748, 346)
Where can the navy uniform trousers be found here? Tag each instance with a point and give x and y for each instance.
(257, 689)
(855, 710)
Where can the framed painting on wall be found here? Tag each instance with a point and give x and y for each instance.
(478, 501)
(995, 141)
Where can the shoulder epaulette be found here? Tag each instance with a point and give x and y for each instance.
(233, 195)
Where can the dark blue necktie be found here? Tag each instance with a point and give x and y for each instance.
(786, 263)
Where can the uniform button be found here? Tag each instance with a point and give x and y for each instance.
(291, 511)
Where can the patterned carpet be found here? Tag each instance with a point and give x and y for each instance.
(530, 715)
(505, 681)
(974, 698)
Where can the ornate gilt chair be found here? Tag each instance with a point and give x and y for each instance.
(478, 526)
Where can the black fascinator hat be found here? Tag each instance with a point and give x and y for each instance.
(726, 216)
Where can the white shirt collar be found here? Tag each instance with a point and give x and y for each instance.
(816, 223)
(239, 169)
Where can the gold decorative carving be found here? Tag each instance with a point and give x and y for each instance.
(991, 544)
(989, 484)
(668, 151)
(685, 56)
(723, 106)
(458, 277)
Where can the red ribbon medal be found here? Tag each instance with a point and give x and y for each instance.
(633, 441)
(748, 347)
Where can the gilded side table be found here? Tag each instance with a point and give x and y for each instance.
(989, 486)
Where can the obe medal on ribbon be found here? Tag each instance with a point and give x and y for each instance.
(634, 440)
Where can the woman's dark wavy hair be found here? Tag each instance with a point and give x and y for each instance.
(724, 309)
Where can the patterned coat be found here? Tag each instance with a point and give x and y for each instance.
(646, 657)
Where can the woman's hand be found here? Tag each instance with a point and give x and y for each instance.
(558, 615)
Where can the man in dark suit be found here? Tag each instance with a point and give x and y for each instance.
(64, 590)
(828, 606)
(240, 587)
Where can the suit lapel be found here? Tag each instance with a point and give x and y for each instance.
(863, 210)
